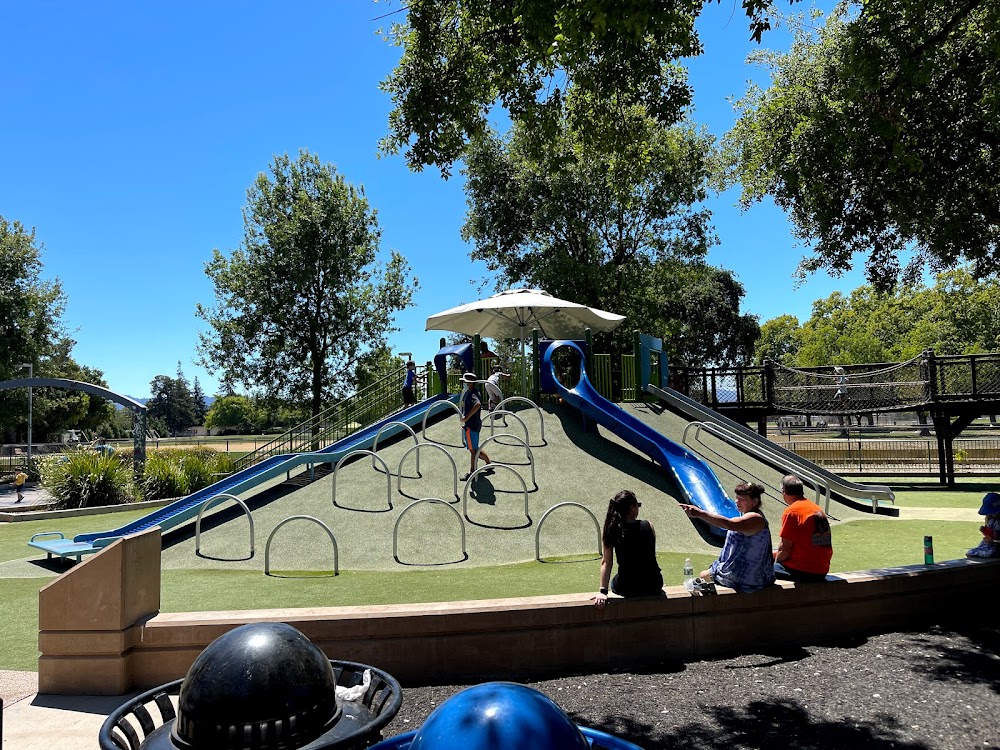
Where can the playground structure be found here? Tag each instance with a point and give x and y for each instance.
(153, 647)
(695, 479)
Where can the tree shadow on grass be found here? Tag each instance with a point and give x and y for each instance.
(587, 439)
(227, 513)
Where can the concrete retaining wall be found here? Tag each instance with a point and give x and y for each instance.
(101, 632)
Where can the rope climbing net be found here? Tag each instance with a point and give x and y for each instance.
(894, 388)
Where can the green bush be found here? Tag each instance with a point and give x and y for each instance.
(86, 479)
(164, 476)
(175, 473)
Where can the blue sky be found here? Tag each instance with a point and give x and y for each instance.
(131, 131)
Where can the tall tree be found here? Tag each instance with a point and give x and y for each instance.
(200, 405)
(32, 330)
(460, 59)
(170, 401)
(306, 293)
(880, 135)
(779, 340)
(622, 232)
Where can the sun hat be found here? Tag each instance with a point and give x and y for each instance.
(469, 377)
(991, 504)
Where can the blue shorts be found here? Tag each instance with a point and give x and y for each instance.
(470, 439)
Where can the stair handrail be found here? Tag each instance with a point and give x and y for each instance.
(378, 399)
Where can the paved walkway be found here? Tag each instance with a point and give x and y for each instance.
(940, 514)
(35, 498)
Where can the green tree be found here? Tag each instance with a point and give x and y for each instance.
(56, 409)
(170, 401)
(306, 294)
(622, 232)
(460, 59)
(231, 412)
(198, 399)
(879, 136)
(31, 310)
(32, 330)
(375, 365)
(779, 340)
(958, 314)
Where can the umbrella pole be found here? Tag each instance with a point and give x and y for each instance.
(524, 368)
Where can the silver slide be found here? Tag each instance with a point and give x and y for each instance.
(866, 497)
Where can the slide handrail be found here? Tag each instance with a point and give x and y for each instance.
(844, 487)
(801, 470)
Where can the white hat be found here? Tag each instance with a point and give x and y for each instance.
(469, 377)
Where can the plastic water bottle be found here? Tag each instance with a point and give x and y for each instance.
(688, 575)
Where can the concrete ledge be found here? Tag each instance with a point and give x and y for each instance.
(529, 637)
(102, 632)
(41, 515)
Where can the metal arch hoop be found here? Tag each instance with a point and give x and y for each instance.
(416, 441)
(433, 500)
(532, 404)
(197, 527)
(538, 531)
(375, 457)
(416, 448)
(267, 547)
(476, 473)
(527, 449)
(423, 426)
(504, 413)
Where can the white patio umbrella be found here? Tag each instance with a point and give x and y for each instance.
(515, 312)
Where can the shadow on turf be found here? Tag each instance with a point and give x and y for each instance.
(587, 439)
(758, 724)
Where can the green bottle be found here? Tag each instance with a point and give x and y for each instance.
(928, 550)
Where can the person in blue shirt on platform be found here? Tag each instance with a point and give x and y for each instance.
(411, 377)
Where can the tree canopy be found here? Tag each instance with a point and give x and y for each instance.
(958, 314)
(32, 330)
(306, 293)
(460, 59)
(621, 232)
(880, 136)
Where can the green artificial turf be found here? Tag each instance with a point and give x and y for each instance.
(19, 634)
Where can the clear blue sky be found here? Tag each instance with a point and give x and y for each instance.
(131, 131)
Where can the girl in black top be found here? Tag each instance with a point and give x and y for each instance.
(633, 542)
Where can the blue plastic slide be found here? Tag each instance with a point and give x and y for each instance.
(695, 478)
(186, 509)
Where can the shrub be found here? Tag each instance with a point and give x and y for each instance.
(164, 477)
(178, 472)
(86, 479)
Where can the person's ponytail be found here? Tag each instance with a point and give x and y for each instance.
(614, 521)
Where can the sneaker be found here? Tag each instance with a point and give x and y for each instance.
(982, 551)
(985, 549)
(703, 587)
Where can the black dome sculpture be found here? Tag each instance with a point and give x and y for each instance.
(261, 686)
